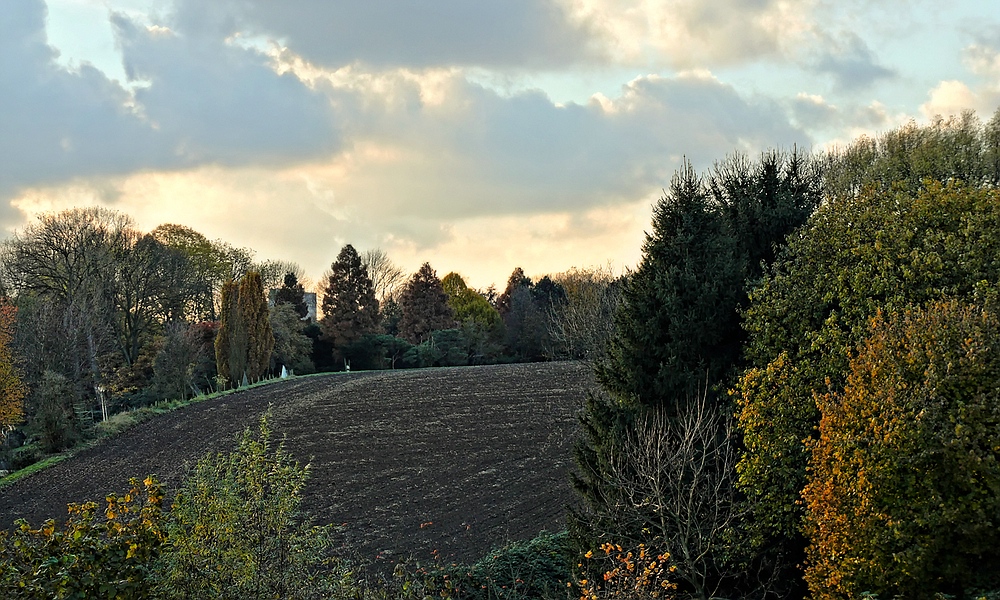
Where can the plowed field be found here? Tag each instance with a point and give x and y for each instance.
(423, 463)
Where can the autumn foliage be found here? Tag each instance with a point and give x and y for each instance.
(12, 389)
(904, 491)
(92, 555)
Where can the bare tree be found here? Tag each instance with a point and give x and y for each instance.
(676, 480)
(385, 275)
(581, 328)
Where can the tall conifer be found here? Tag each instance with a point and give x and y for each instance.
(424, 305)
(350, 309)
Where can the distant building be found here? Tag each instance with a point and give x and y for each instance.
(308, 297)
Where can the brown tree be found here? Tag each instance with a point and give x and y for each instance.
(675, 479)
(424, 304)
(385, 275)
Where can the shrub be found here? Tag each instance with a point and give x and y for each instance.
(235, 530)
(904, 491)
(616, 572)
(537, 568)
(88, 557)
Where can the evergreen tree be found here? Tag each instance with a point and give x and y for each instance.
(260, 338)
(516, 280)
(350, 309)
(245, 340)
(677, 331)
(291, 292)
(678, 324)
(226, 346)
(424, 305)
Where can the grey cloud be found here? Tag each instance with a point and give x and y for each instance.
(417, 33)
(201, 102)
(58, 124)
(851, 63)
(498, 155)
(813, 112)
(222, 103)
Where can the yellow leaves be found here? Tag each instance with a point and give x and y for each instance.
(626, 574)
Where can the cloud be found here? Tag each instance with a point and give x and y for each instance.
(697, 33)
(952, 97)
(431, 158)
(850, 62)
(194, 104)
(416, 34)
(218, 102)
(982, 94)
(59, 124)
(475, 152)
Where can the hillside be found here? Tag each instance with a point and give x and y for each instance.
(408, 462)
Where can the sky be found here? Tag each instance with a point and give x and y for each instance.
(477, 136)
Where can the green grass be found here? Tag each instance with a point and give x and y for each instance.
(34, 468)
(123, 421)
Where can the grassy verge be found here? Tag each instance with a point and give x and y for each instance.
(128, 419)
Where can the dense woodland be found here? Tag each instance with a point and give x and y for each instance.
(799, 388)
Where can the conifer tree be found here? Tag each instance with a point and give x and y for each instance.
(227, 326)
(291, 292)
(677, 332)
(245, 340)
(260, 338)
(12, 389)
(350, 309)
(424, 305)
(678, 324)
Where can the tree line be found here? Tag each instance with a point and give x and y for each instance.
(98, 317)
(800, 394)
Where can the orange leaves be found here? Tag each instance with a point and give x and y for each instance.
(12, 389)
(904, 467)
(625, 574)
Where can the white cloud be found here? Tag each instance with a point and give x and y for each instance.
(952, 97)
(697, 33)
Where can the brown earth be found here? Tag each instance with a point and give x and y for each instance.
(433, 463)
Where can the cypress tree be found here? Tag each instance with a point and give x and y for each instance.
(254, 313)
(227, 316)
(244, 343)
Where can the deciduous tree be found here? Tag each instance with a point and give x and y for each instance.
(857, 255)
(904, 492)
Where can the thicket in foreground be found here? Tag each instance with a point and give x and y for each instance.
(91, 555)
(235, 530)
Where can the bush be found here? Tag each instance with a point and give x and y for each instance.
(904, 491)
(537, 568)
(235, 530)
(88, 557)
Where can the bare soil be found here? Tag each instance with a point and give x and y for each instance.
(435, 464)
